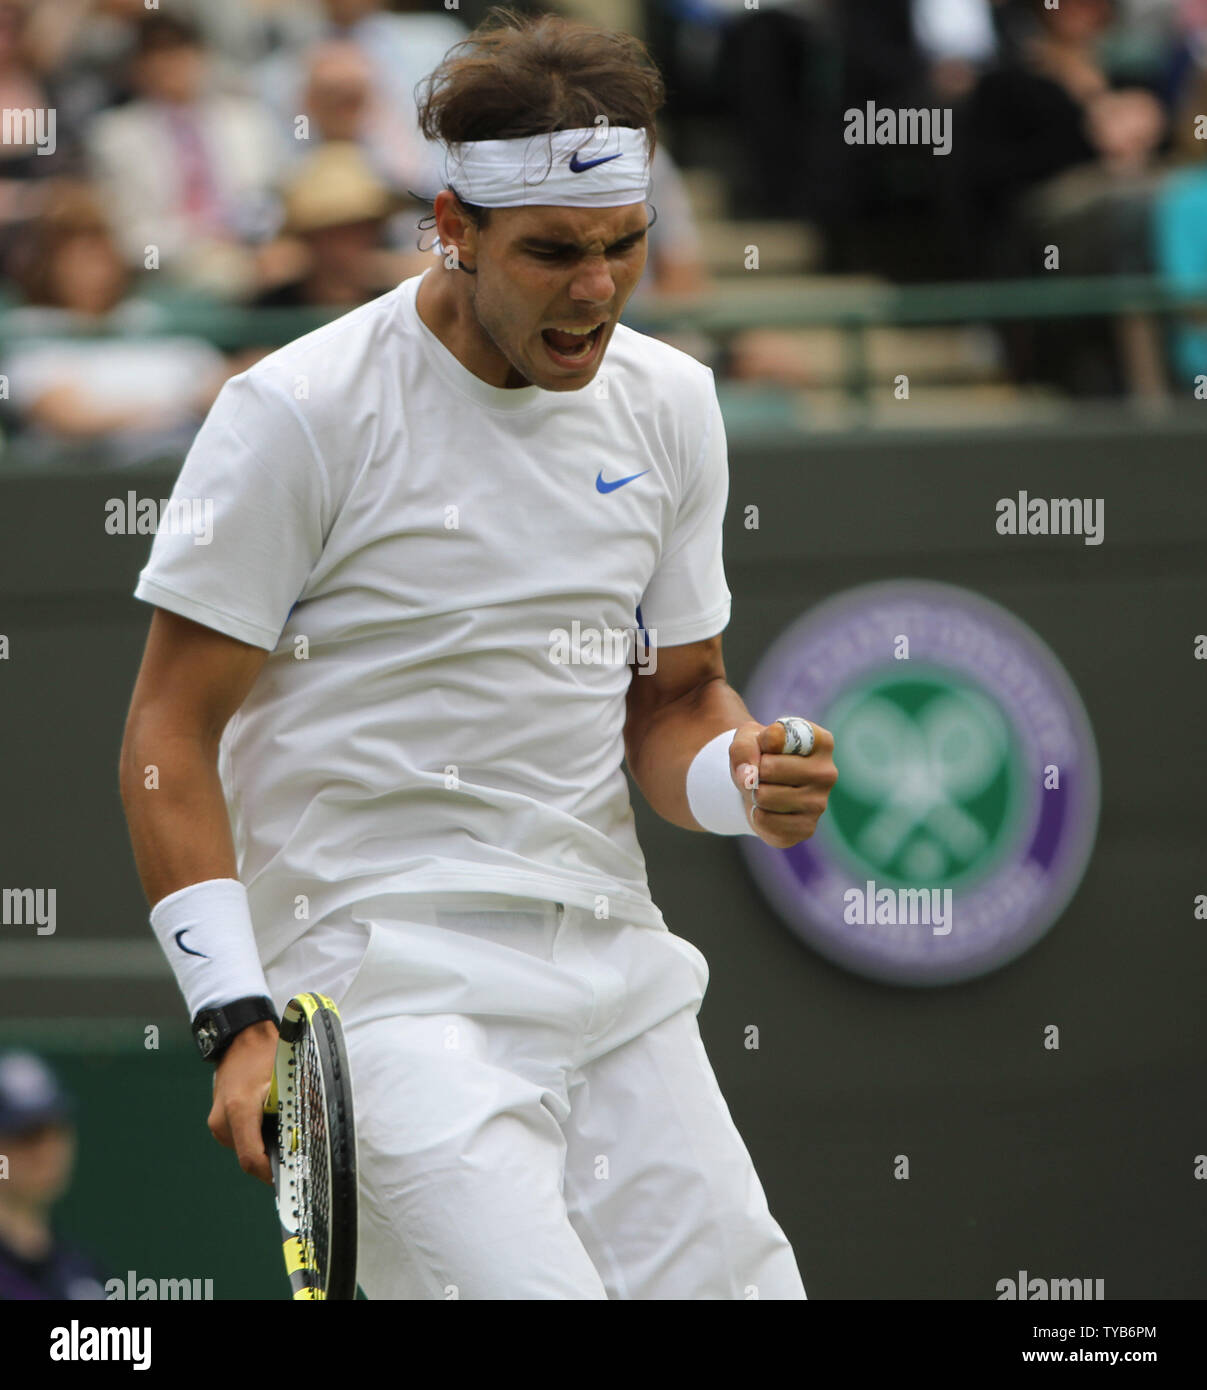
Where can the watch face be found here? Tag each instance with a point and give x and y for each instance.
(207, 1038)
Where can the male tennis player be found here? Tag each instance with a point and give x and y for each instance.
(390, 666)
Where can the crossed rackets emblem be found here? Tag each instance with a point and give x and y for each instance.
(920, 771)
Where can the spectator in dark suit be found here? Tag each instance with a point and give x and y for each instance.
(1053, 108)
(1057, 157)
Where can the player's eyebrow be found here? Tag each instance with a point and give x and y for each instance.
(535, 243)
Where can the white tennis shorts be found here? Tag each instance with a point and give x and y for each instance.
(536, 1114)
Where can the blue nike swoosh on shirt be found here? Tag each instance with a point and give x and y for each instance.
(188, 950)
(601, 486)
(577, 168)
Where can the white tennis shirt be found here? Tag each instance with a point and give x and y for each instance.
(426, 557)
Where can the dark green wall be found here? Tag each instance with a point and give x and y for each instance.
(1076, 1163)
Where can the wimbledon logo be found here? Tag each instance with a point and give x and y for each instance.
(968, 783)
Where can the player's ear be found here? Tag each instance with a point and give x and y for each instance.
(455, 228)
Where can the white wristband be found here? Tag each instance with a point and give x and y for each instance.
(715, 802)
(206, 933)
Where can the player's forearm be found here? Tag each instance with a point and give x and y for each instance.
(175, 809)
(662, 742)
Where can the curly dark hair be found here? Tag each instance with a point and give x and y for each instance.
(519, 74)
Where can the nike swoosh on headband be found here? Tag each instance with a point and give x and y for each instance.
(188, 950)
(601, 486)
(578, 168)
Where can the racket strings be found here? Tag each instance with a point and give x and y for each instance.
(313, 1181)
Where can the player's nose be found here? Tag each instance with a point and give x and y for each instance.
(593, 284)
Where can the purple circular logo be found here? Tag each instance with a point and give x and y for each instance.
(967, 801)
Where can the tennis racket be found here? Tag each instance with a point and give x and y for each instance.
(310, 1138)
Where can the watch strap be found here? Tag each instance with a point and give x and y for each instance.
(215, 1028)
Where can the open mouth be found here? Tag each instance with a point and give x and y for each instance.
(572, 349)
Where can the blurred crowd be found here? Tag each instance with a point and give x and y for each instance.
(1076, 135)
(258, 153)
(265, 153)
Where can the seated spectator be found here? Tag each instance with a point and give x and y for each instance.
(339, 92)
(1051, 112)
(340, 101)
(337, 210)
(127, 397)
(38, 1139)
(184, 169)
(400, 49)
(1052, 153)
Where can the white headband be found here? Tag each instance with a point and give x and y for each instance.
(592, 167)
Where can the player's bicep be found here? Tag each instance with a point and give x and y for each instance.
(192, 677)
(676, 673)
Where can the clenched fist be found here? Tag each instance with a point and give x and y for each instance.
(787, 793)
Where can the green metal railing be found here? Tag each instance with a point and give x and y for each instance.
(856, 309)
(745, 304)
(735, 305)
(741, 304)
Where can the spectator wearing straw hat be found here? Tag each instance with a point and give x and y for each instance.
(338, 211)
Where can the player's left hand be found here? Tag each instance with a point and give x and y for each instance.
(788, 793)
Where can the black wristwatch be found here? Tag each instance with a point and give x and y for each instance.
(214, 1028)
